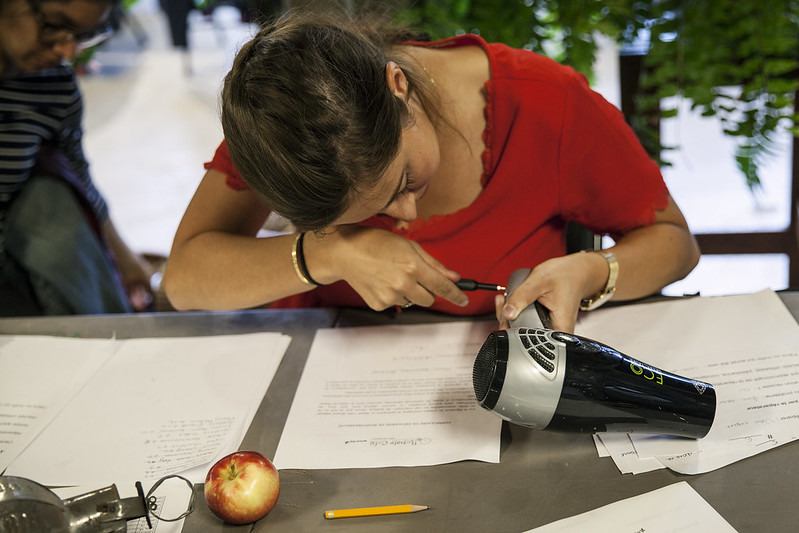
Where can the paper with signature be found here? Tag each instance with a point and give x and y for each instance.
(676, 507)
(157, 407)
(390, 396)
(747, 346)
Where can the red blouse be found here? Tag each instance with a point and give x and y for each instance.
(555, 151)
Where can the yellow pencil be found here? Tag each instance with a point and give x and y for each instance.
(374, 511)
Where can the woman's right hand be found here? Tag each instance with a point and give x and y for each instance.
(383, 268)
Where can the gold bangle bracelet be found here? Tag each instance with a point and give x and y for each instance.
(301, 261)
(296, 261)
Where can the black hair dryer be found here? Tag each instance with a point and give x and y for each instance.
(545, 379)
(553, 380)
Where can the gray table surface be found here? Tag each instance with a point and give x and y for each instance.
(542, 476)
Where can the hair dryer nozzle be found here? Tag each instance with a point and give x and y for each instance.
(553, 380)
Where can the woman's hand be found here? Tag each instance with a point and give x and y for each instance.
(559, 284)
(383, 268)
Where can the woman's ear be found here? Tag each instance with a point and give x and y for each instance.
(397, 82)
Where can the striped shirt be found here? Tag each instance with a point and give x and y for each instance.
(44, 106)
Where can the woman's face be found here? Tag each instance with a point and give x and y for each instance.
(406, 179)
(38, 36)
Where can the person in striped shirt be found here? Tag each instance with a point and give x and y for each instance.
(59, 250)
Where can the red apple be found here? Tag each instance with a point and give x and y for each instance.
(242, 487)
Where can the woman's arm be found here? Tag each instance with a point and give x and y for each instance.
(217, 263)
(649, 258)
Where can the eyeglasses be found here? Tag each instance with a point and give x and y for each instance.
(51, 34)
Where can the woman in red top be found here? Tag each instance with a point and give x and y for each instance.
(408, 165)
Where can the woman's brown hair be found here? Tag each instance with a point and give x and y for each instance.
(308, 116)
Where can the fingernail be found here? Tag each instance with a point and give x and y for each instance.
(464, 302)
(509, 312)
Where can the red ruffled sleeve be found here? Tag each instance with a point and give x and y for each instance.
(222, 163)
(607, 181)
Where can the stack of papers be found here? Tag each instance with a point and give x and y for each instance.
(746, 346)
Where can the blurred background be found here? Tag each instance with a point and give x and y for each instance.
(724, 141)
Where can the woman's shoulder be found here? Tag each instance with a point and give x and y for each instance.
(507, 62)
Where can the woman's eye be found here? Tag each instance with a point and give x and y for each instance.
(409, 186)
(405, 190)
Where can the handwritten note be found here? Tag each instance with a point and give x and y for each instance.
(179, 444)
(157, 407)
(389, 396)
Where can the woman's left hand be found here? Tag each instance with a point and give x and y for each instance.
(559, 285)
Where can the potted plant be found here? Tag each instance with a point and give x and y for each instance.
(736, 60)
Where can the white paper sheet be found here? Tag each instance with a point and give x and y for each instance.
(619, 447)
(38, 376)
(747, 346)
(390, 396)
(676, 507)
(158, 407)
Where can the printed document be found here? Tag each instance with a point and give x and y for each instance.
(390, 396)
